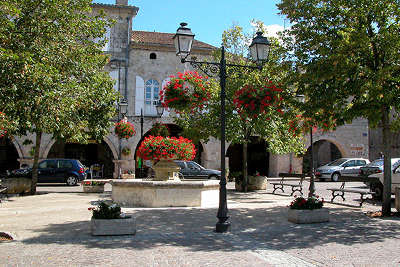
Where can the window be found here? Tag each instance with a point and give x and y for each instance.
(153, 56)
(192, 166)
(64, 164)
(151, 96)
(360, 163)
(48, 164)
(350, 163)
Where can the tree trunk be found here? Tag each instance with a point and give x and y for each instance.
(387, 166)
(245, 175)
(36, 162)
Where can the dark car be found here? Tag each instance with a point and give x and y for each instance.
(191, 169)
(69, 171)
(377, 166)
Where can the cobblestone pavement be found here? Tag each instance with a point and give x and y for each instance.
(52, 229)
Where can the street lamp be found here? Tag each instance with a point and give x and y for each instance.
(159, 108)
(311, 189)
(123, 109)
(260, 46)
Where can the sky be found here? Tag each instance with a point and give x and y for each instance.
(207, 18)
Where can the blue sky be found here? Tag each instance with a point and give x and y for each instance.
(207, 19)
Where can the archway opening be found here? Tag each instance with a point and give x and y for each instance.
(87, 154)
(8, 156)
(257, 157)
(323, 153)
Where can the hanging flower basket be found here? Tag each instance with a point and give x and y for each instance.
(255, 99)
(186, 92)
(158, 147)
(159, 129)
(124, 129)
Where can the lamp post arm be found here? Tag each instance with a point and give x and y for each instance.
(212, 68)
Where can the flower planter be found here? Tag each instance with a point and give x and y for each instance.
(308, 216)
(254, 183)
(127, 176)
(123, 226)
(166, 170)
(257, 183)
(17, 185)
(93, 188)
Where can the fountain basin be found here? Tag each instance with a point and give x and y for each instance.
(153, 194)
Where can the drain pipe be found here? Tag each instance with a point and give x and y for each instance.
(127, 58)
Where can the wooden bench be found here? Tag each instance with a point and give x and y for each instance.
(340, 191)
(296, 187)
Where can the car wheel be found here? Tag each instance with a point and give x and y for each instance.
(213, 177)
(72, 180)
(335, 177)
(378, 189)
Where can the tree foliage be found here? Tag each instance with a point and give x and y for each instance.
(51, 78)
(346, 61)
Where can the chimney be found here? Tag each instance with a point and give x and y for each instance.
(121, 2)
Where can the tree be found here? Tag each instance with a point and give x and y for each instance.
(270, 125)
(52, 77)
(347, 62)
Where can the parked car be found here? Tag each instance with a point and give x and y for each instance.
(342, 166)
(191, 169)
(69, 171)
(378, 187)
(376, 166)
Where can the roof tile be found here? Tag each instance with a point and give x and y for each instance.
(162, 38)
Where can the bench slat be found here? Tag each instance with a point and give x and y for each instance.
(351, 190)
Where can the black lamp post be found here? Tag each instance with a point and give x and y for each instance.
(311, 188)
(123, 109)
(259, 50)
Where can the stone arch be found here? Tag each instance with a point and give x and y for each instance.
(325, 151)
(18, 148)
(105, 139)
(10, 152)
(257, 157)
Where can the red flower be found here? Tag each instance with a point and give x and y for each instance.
(124, 129)
(255, 99)
(158, 147)
(187, 92)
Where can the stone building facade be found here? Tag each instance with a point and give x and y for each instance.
(141, 63)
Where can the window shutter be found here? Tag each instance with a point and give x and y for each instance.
(164, 83)
(139, 97)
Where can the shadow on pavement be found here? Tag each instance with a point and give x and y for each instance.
(193, 229)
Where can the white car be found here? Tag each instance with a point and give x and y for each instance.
(342, 166)
(378, 187)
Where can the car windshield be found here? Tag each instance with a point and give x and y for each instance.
(197, 165)
(337, 162)
(377, 162)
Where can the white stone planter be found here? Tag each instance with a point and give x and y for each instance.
(127, 176)
(155, 194)
(125, 226)
(257, 183)
(166, 170)
(93, 188)
(397, 201)
(308, 216)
